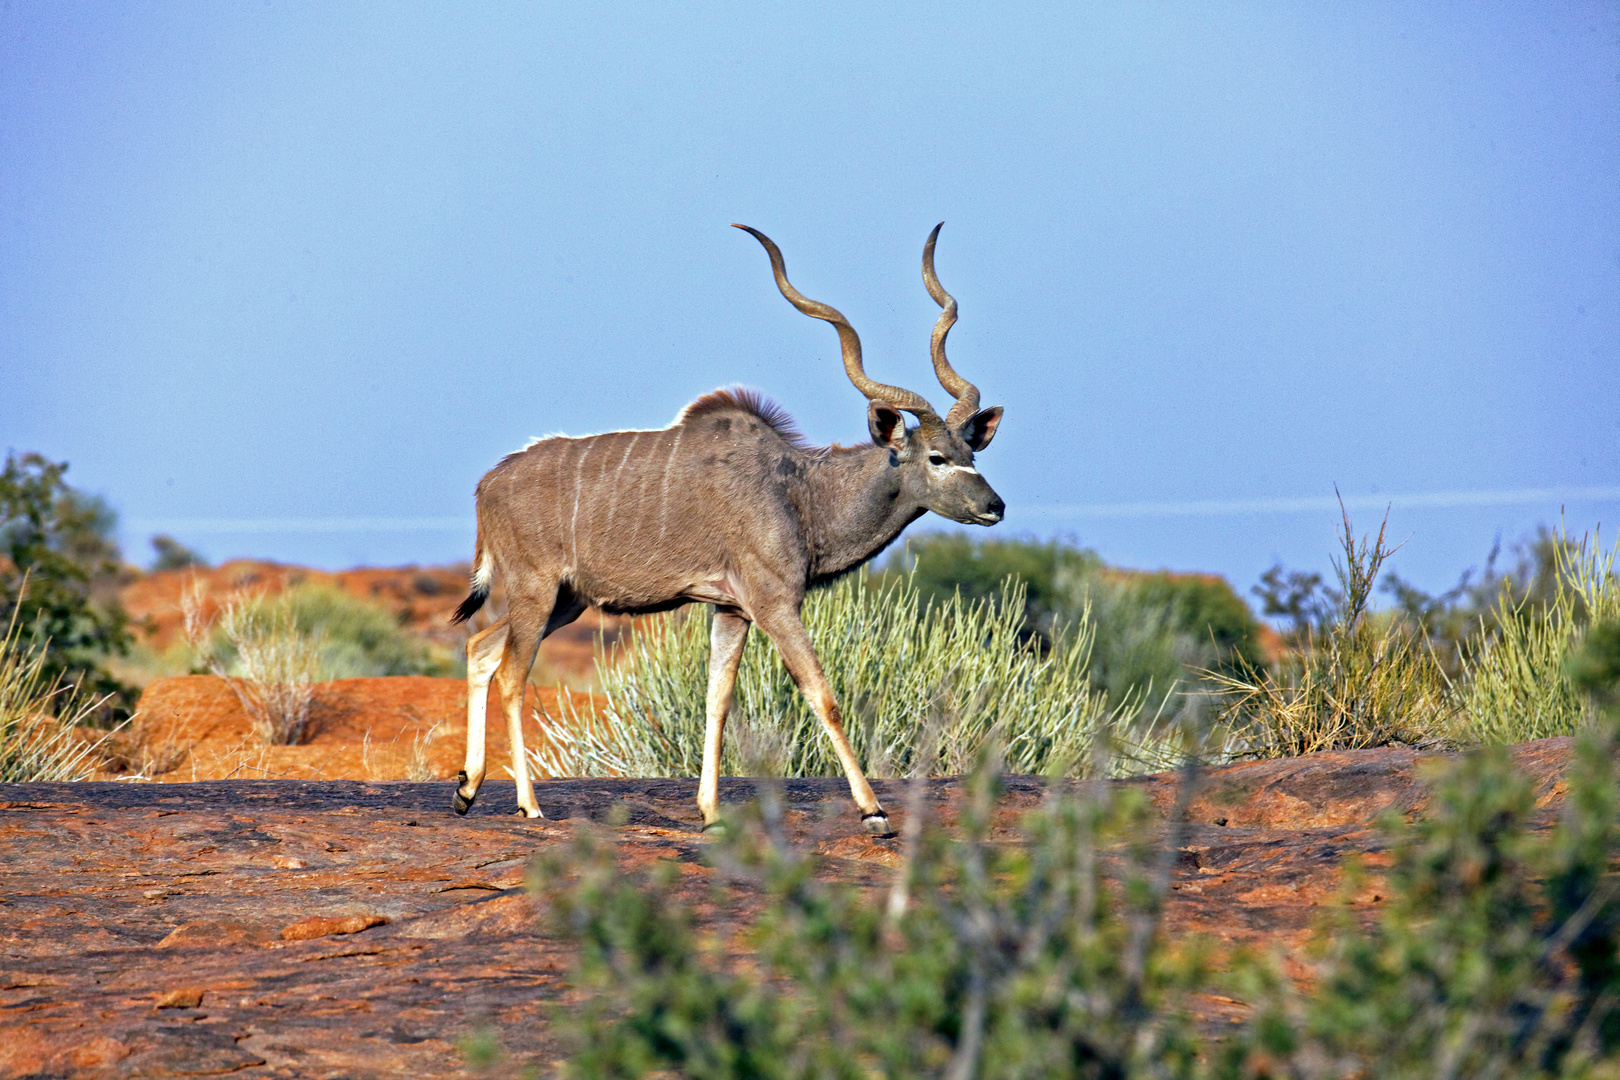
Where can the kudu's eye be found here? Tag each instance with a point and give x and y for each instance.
(936, 459)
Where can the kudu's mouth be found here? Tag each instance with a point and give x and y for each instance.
(991, 514)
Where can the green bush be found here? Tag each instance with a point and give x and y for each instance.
(1516, 681)
(984, 959)
(1352, 678)
(923, 687)
(1495, 954)
(59, 573)
(1151, 632)
(349, 637)
(40, 717)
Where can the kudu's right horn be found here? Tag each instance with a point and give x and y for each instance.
(965, 393)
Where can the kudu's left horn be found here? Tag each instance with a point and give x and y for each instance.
(900, 398)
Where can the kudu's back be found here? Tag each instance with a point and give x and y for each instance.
(640, 520)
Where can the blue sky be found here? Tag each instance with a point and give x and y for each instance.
(286, 279)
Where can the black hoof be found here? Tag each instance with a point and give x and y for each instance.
(459, 801)
(876, 824)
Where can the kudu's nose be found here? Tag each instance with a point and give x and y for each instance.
(997, 508)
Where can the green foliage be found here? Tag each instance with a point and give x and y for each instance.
(983, 960)
(348, 636)
(940, 565)
(1352, 679)
(1495, 954)
(900, 669)
(59, 568)
(1486, 597)
(171, 554)
(1517, 683)
(1150, 631)
(39, 717)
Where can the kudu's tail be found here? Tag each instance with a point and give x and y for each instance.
(483, 574)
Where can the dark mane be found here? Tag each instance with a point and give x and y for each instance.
(758, 405)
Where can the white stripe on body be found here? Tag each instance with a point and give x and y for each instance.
(573, 522)
(663, 497)
(613, 503)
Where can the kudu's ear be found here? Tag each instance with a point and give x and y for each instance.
(887, 426)
(978, 429)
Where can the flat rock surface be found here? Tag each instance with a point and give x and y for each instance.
(347, 928)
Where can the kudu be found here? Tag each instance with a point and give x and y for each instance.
(728, 506)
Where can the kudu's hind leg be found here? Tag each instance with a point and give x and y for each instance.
(792, 640)
(727, 637)
(526, 626)
(483, 657)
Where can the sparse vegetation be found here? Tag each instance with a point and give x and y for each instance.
(1516, 673)
(1151, 633)
(1352, 678)
(1495, 954)
(982, 960)
(898, 666)
(59, 573)
(40, 717)
(275, 664)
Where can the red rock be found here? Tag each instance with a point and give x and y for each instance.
(325, 926)
(184, 998)
(96, 876)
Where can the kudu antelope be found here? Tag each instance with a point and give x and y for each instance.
(728, 506)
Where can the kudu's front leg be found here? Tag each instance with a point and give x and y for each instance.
(727, 637)
(483, 657)
(787, 631)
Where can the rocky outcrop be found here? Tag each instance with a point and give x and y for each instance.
(345, 928)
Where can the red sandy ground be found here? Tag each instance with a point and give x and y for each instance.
(275, 928)
(422, 598)
(194, 728)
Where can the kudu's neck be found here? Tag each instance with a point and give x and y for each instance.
(855, 508)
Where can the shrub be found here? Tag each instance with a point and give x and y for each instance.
(40, 717)
(1151, 632)
(171, 554)
(276, 664)
(1496, 953)
(1359, 680)
(983, 960)
(59, 570)
(1516, 677)
(898, 666)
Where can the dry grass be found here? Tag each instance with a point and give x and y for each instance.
(897, 666)
(276, 663)
(1516, 683)
(39, 719)
(1365, 680)
(395, 761)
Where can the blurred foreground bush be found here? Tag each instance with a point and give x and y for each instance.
(1496, 953)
